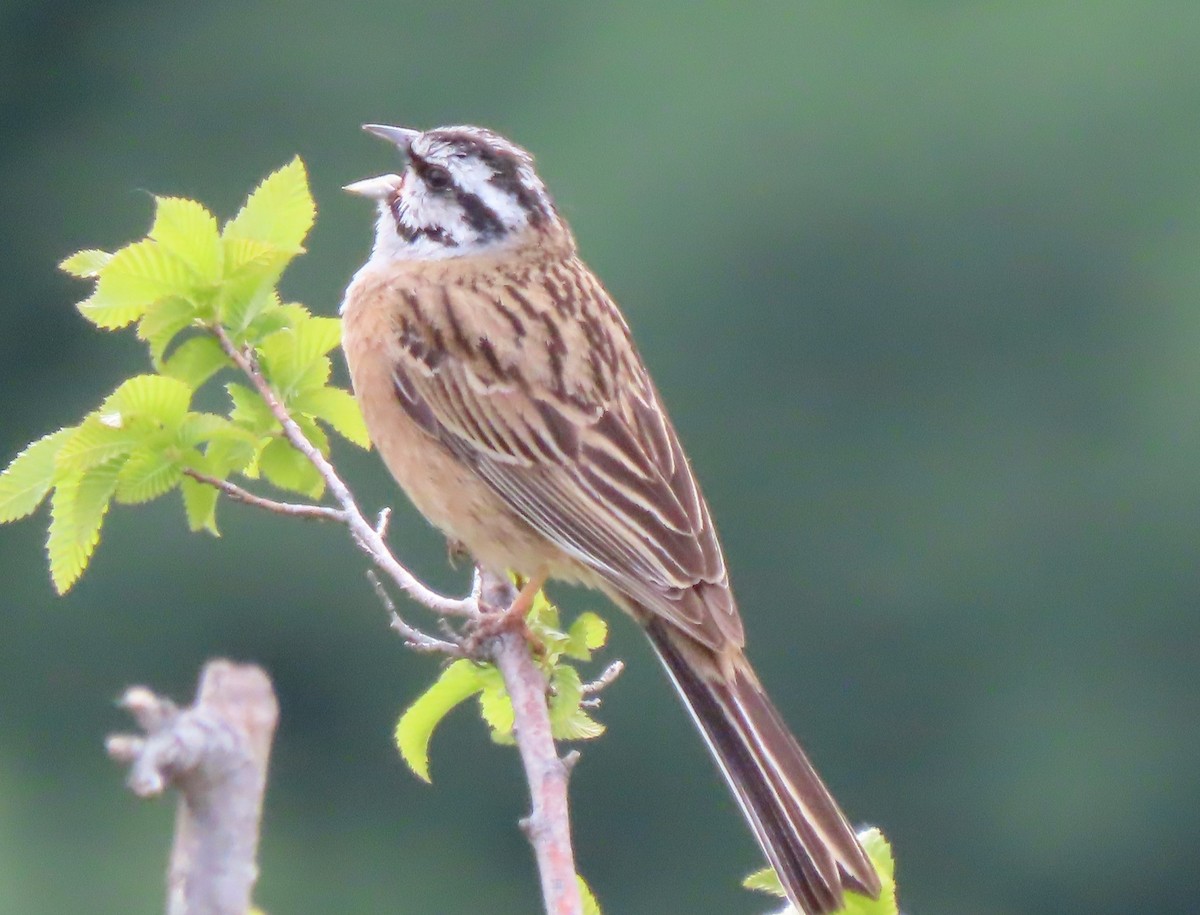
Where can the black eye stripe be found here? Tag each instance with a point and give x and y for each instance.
(507, 169)
(480, 217)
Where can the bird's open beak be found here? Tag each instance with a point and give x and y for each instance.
(384, 186)
(400, 136)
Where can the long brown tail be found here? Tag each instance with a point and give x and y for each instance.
(795, 819)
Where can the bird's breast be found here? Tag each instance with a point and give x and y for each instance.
(443, 488)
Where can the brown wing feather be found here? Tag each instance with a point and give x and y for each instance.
(584, 454)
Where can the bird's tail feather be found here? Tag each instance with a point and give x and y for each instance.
(795, 819)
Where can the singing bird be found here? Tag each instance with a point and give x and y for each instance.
(502, 388)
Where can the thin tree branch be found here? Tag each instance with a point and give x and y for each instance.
(215, 753)
(294, 509)
(548, 825)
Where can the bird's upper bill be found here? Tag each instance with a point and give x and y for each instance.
(401, 136)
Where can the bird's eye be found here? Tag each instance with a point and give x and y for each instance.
(436, 178)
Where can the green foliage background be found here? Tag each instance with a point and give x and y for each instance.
(921, 285)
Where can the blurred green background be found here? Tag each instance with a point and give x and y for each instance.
(921, 285)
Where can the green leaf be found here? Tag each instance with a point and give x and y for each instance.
(249, 409)
(232, 453)
(496, 707)
(457, 683)
(765, 881)
(247, 258)
(99, 438)
(275, 317)
(294, 358)
(159, 326)
(198, 428)
(317, 336)
(590, 905)
(200, 505)
(77, 510)
(243, 297)
(279, 212)
(339, 409)
(28, 478)
(314, 433)
(287, 468)
(568, 720)
(189, 231)
(586, 634)
(875, 844)
(147, 474)
(85, 264)
(157, 397)
(137, 277)
(195, 361)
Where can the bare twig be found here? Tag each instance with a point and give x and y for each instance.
(381, 523)
(548, 825)
(413, 637)
(605, 680)
(215, 753)
(295, 510)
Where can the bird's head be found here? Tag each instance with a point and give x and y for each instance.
(464, 191)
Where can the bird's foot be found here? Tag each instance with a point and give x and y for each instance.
(495, 621)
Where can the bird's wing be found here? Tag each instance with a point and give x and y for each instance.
(560, 419)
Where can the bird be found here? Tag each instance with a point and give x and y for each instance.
(502, 388)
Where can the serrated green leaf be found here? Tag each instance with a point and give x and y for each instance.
(198, 428)
(314, 433)
(147, 474)
(231, 453)
(590, 905)
(248, 257)
(85, 264)
(568, 720)
(318, 335)
(200, 505)
(294, 358)
(157, 397)
(99, 438)
(249, 410)
(279, 212)
(457, 683)
(25, 481)
(77, 510)
(161, 324)
(138, 276)
(244, 296)
(110, 314)
(195, 361)
(189, 231)
(275, 317)
(288, 469)
(495, 706)
(880, 852)
(339, 409)
(765, 881)
(876, 846)
(588, 633)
